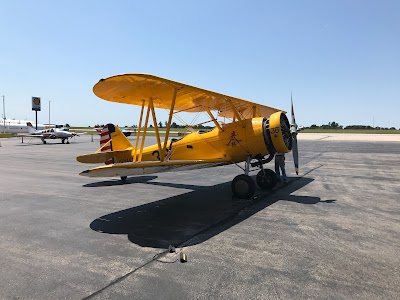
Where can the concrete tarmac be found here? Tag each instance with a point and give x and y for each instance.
(333, 232)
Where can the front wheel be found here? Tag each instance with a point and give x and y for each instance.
(243, 186)
(266, 179)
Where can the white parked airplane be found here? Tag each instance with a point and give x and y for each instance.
(16, 126)
(51, 133)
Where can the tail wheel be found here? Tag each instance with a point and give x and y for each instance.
(243, 186)
(266, 179)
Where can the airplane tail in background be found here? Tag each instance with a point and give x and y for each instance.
(31, 129)
(114, 147)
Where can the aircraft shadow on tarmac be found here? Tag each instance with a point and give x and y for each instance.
(130, 180)
(193, 217)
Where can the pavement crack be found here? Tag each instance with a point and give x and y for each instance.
(312, 170)
(121, 278)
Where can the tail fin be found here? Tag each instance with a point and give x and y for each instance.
(112, 139)
(114, 148)
(30, 127)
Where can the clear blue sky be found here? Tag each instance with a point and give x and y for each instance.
(340, 58)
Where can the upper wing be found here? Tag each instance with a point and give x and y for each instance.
(134, 88)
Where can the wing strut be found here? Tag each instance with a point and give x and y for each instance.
(139, 130)
(171, 112)
(144, 133)
(235, 112)
(155, 126)
(212, 117)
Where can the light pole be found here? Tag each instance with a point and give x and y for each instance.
(49, 112)
(4, 116)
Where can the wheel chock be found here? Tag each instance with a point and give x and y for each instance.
(183, 257)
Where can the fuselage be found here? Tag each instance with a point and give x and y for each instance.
(54, 133)
(234, 143)
(239, 141)
(16, 126)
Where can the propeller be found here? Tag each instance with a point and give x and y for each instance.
(293, 130)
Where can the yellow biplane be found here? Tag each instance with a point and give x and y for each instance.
(256, 132)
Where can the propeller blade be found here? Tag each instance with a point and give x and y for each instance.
(293, 118)
(295, 154)
(293, 129)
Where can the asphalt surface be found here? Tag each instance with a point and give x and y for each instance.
(333, 232)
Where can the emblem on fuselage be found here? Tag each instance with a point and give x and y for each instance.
(233, 140)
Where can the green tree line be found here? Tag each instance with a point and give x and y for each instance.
(334, 125)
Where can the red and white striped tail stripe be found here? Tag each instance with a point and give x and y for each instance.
(104, 138)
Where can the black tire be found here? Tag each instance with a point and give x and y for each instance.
(62, 141)
(266, 179)
(123, 178)
(243, 186)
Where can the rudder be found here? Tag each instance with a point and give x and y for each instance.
(113, 139)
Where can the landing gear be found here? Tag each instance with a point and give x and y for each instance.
(63, 141)
(123, 178)
(266, 179)
(243, 186)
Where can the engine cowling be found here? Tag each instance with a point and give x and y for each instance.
(276, 131)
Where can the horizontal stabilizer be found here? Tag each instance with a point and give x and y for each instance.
(101, 157)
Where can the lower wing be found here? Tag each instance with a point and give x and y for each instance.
(132, 169)
(33, 135)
